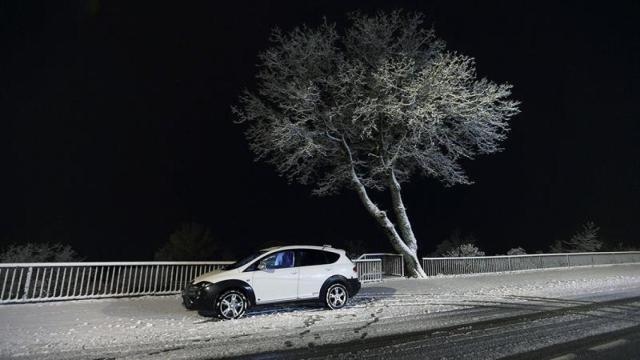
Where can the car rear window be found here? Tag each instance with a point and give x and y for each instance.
(331, 257)
(309, 257)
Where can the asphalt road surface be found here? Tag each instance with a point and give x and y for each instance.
(594, 329)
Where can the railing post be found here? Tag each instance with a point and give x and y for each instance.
(568, 261)
(27, 283)
(155, 281)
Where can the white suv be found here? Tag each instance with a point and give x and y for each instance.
(279, 274)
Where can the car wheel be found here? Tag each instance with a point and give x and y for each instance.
(336, 296)
(232, 304)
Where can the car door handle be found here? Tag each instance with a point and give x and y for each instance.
(293, 273)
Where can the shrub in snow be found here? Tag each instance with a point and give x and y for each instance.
(621, 246)
(39, 252)
(464, 250)
(517, 251)
(191, 241)
(453, 242)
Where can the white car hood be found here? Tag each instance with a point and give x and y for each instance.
(217, 276)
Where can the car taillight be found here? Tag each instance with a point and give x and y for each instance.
(355, 269)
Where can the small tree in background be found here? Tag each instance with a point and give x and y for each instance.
(516, 251)
(453, 243)
(191, 241)
(370, 108)
(464, 250)
(585, 240)
(557, 247)
(39, 252)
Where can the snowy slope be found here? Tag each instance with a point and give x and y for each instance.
(153, 327)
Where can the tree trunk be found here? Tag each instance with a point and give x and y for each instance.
(412, 263)
(412, 267)
(405, 225)
(401, 212)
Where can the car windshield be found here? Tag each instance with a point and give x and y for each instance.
(246, 260)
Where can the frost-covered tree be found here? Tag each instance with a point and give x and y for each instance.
(370, 107)
(464, 250)
(585, 240)
(454, 241)
(517, 251)
(39, 252)
(557, 247)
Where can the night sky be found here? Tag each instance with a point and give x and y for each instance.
(115, 126)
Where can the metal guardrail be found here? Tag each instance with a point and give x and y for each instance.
(31, 282)
(392, 264)
(487, 264)
(369, 270)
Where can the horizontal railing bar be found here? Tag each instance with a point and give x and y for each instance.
(492, 264)
(378, 254)
(532, 255)
(134, 263)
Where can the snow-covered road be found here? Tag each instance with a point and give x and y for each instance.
(158, 327)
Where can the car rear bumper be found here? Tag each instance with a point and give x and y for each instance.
(353, 286)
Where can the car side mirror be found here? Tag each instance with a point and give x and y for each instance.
(262, 266)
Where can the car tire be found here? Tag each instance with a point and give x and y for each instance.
(231, 304)
(336, 296)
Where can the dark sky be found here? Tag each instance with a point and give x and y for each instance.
(115, 126)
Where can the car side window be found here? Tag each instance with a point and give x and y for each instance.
(309, 257)
(279, 260)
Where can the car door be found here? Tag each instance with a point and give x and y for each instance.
(314, 270)
(278, 281)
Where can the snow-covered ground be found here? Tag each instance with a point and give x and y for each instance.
(153, 327)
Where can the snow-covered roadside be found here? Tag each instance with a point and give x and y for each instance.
(148, 325)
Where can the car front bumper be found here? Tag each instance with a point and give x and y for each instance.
(199, 296)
